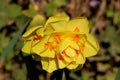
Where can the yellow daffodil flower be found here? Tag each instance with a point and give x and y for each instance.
(61, 43)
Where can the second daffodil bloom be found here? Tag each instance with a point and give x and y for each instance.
(61, 43)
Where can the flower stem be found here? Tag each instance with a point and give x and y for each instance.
(31, 69)
(57, 75)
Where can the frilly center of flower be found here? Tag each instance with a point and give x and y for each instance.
(67, 53)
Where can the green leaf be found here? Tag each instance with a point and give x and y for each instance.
(114, 49)
(20, 72)
(110, 12)
(74, 76)
(3, 42)
(3, 6)
(21, 20)
(85, 76)
(118, 75)
(3, 20)
(117, 19)
(12, 43)
(3, 13)
(14, 10)
(50, 8)
(113, 38)
(31, 12)
(109, 33)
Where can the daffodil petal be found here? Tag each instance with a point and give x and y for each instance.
(40, 31)
(40, 46)
(27, 47)
(80, 23)
(37, 20)
(65, 43)
(49, 64)
(69, 35)
(48, 30)
(59, 26)
(78, 67)
(52, 66)
(91, 39)
(62, 64)
(82, 40)
(57, 18)
(45, 62)
(67, 59)
(70, 52)
(51, 39)
(48, 53)
(35, 42)
(72, 66)
(91, 46)
(27, 35)
(80, 59)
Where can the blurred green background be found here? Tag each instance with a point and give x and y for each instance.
(17, 15)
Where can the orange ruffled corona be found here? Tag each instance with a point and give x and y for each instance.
(61, 43)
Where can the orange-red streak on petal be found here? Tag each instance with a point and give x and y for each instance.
(76, 29)
(77, 52)
(76, 38)
(57, 37)
(65, 54)
(60, 57)
(82, 47)
(53, 46)
(37, 37)
(46, 45)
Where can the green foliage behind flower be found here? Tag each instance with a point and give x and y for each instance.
(8, 12)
